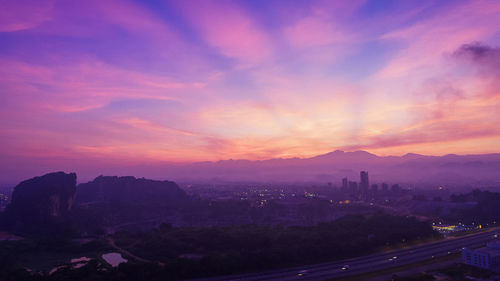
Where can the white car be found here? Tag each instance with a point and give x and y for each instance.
(345, 267)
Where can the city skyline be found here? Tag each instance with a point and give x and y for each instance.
(130, 82)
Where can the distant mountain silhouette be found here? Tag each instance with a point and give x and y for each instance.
(332, 166)
(410, 168)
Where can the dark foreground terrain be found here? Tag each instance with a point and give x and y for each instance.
(49, 233)
(180, 253)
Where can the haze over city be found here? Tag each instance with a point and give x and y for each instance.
(249, 140)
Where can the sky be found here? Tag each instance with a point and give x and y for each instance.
(139, 82)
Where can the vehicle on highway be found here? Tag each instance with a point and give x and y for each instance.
(302, 272)
(365, 264)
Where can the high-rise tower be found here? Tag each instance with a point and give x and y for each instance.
(364, 182)
(345, 186)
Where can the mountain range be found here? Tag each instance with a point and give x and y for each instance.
(333, 166)
(411, 168)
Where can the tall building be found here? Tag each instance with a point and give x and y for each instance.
(385, 187)
(353, 188)
(374, 190)
(345, 186)
(364, 182)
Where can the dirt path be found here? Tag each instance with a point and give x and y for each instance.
(112, 243)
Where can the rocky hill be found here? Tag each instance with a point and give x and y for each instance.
(130, 190)
(41, 200)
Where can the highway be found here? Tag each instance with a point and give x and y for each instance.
(369, 263)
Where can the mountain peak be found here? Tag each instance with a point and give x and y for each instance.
(345, 155)
(362, 152)
(411, 155)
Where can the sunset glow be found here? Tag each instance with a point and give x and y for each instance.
(152, 81)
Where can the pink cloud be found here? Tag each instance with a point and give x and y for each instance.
(85, 85)
(227, 27)
(427, 40)
(137, 19)
(23, 14)
(99, 15)
(150, 126)
(431, 136)
(447, 114)
(323, 25)
(99, 19)
(312, 31)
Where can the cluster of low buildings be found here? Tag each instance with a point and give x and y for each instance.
(363, 190)
(487, 257)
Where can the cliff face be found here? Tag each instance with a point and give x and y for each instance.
(42, 199)
(129, 190)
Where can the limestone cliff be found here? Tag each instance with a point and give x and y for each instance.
(130, 190)
(41, 199)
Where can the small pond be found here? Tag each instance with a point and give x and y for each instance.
(114, 259)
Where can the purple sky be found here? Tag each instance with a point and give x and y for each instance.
(103, 83)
